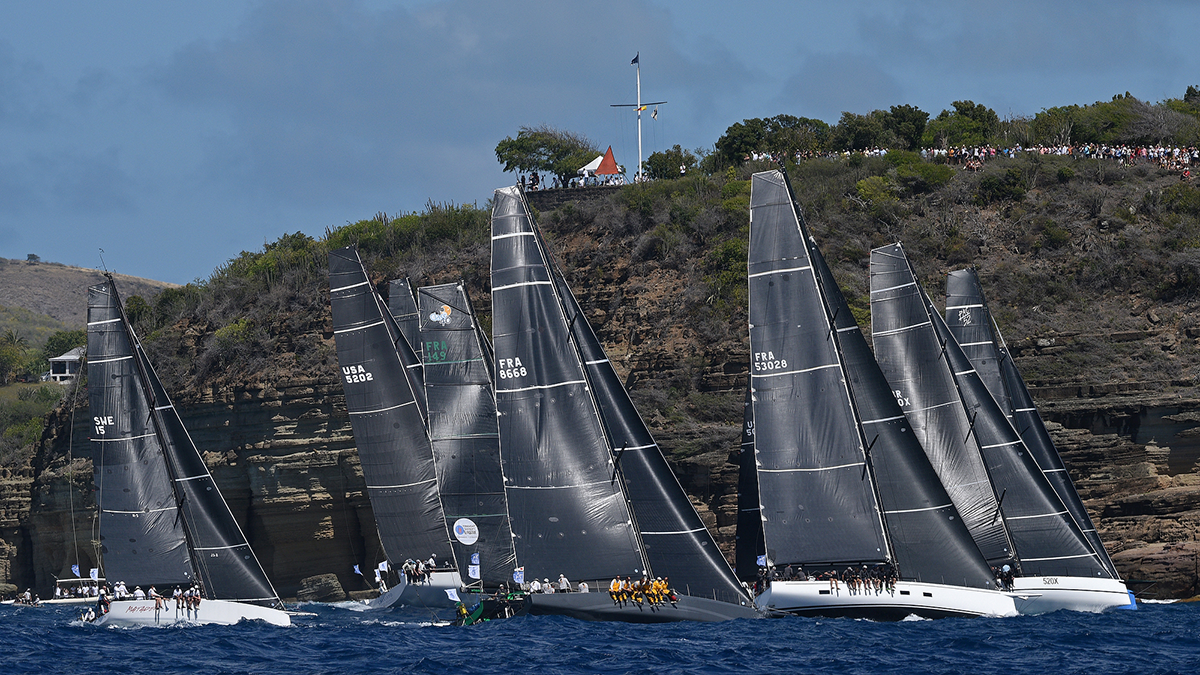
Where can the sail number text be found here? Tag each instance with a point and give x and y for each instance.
(356, 374)
(764, 361)
(101, 423)
(900, 398)
(510, 368)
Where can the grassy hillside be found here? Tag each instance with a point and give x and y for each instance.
(59, 291)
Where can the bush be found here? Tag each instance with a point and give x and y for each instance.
(1010, 185)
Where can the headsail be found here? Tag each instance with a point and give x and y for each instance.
(749, 545)
(913, 361)
(463, 429)
(819, 503)
(569, 513)
(387, 414)
(162, 518)
(676, 541)
(972, 324)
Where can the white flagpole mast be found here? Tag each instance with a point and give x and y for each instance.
(637, 61)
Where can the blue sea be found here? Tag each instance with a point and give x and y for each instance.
(1158, 638)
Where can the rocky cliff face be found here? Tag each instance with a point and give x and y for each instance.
(280, 446)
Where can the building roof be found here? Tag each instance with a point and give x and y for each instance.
(73, 355)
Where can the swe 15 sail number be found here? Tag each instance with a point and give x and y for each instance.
(101, 423)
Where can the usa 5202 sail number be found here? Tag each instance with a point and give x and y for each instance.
(765, 361)
(355, 374)
(510, 368)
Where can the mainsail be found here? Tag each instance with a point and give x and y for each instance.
(675, 539)
(162, 519)
(463, 429)
(928, 539)
(972, 324)
(913, 361)
(403, 307)
(569, 512)
(818, 498)
(387, 414)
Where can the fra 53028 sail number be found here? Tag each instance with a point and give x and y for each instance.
(766, 361)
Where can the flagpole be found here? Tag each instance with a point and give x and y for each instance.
(639, 112)
(637, 61)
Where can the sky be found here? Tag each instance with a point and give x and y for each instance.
(172, 135)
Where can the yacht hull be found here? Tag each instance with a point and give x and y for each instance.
(1038, 595)
(600, 607)
(222, 612)
(931, 601)
(431, 593)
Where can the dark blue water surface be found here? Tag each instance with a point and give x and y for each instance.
(1157, 638)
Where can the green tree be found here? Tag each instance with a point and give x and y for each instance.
(789, 135)
(969, 123)
(741, 139)
(545, 148)
(62, 342)
(660, 165)
(908, 123)
(859, 132)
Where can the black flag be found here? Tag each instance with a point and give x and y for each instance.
(635, 59)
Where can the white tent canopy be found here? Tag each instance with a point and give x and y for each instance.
(589, 169)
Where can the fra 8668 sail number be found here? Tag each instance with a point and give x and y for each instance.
(766, 361)
(510, 368)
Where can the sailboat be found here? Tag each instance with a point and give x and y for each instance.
(1020, 523)
(385, 397)
(163, 522)
(973, 326)
(589, 493)
(842, 481)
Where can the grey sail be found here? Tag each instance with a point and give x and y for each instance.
(386, 415)
(569, 513)
(162, 518)
(676, 542)
(402, 305)
(749, 545)
(819, 503)
(464, 433)
(928, 538)
(913, 362)
(971, 322)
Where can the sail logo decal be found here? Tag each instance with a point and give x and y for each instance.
(355, 374)
(466, 531)
(102, 423)
(964, 316)
(442, 316)
(901, 398)
(510, 368)
(765, 361)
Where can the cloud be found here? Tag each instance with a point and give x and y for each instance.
(827, 85)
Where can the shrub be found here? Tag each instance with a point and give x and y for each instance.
(1009, 185)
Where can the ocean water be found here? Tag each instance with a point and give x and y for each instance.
(1158, 638)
